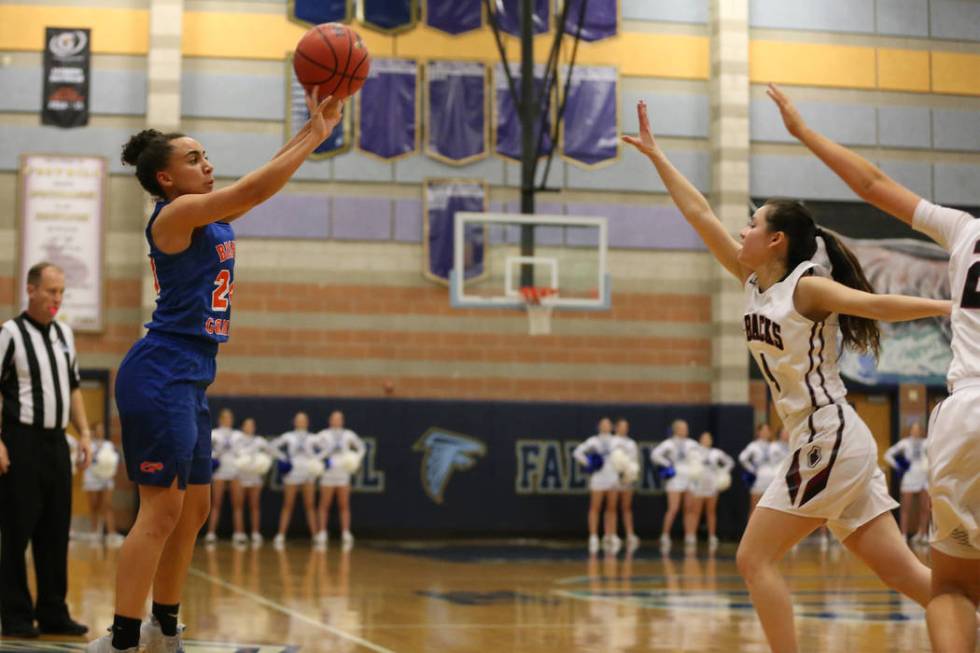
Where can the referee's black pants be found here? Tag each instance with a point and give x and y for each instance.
(35, 507)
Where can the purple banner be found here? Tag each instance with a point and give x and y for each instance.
(443, 199)
(315, 12)
(508, 14)
(454, 16)
(386, 106)
(591, 132)
(600, 19)
(456, 111)
(297, 114)
(507, 122)
(388, 15)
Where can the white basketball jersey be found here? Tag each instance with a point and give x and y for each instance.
(798, 357)
(959, 234)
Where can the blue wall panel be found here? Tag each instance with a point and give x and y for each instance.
(957, 184)
(903, 17)
(671, 114)
(676, 11)
(817, 15)
(902, 126)
(955, 19)
(803, 177)
(956, 130)
(243, 97)
(851, 124)
(633, 172)
(915, 175)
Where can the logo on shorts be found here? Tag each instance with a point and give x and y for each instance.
(814, 456)
(151, 468)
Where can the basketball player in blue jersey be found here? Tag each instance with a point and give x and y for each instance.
(160, 386)
(798, 313)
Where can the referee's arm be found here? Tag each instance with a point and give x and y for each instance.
(78, 417)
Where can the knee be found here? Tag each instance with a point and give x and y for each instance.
(749, 563)
(195, 513)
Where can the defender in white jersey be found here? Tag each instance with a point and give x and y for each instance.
(253, 458)
(296, 450)
(335, 444)
(794, 315)
(594, 455)
(715, 478)
(907, 458)
(679, 465)
(627, 485)
(759, 470)
(224, 440)
(954, 431)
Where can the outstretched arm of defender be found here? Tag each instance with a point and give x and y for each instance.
(817, 297)
(689, 200)
(864, 178)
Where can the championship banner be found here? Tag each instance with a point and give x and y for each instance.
(454, 16)
(387, 109)
(316, 12)
(62, 220)
(509, 16)
(297, 114)
(599, 19)
(443, 199)
(456, 111)
(590, 134)
(507, 121)
(389, 16)
(911, 352)
(67, 57)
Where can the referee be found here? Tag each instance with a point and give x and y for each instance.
(39, 383)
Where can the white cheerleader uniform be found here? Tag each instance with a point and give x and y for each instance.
(91, 482)
(72, 452)
(756, 459)
(296, 447)
(628, 444)
(676, 452)
(713, 461)
(832, 471)
(249, 446)
(223, 444)
(915, 478)
(777, 451)
(953, 445)
(605, 478)
(331, 442)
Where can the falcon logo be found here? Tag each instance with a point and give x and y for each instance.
(445, 452)
(151, 468)
(813, 457)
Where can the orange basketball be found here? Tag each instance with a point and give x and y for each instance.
(333, 58)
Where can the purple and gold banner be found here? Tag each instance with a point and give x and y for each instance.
(590, 135)
(456, 111)
(443, 199)
(297, 114)
(454, 16)
(508, 13)
(387, 109)
(599, 19)
(507, 121)
(389, 16)
(315, 12)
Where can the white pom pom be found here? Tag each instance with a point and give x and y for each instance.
(723, 481)
(692, 469)
(632, 472)
(619, 460)
(314, 467)
(349, 461)
(261, 464)
(243, 463)
(104, 465)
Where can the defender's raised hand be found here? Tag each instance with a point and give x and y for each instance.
(645, 143)
(791, 116)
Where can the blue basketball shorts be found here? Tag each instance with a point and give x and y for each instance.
(166, 424)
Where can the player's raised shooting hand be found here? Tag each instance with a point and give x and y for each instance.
(645, 142)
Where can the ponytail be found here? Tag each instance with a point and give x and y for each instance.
(791, 217)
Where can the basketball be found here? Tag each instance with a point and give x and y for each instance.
(332, 58)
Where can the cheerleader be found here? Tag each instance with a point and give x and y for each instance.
(627, 481)
(296, 453)
(677, 459)
(98, 483)
(344, 451)
(224, 440)
(908, 458)
(779, 448)
(594, 456)
(715, 478)
(253, 458)
(755, 461)
(798, 315)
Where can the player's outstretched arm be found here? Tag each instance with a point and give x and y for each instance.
(864, 178)
(191, 211)
(689, 200)
(817, 297)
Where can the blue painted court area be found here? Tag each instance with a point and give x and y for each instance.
(517, 551)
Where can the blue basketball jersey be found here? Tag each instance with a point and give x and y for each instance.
(194, 287)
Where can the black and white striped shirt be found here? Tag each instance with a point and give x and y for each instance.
(38, 371)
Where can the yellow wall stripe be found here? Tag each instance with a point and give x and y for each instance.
(114, 31)
(954, 72)
(812, 64)
(903, 70)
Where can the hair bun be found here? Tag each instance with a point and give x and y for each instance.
(137, 143)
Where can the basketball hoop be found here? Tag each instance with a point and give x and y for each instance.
(537, 302)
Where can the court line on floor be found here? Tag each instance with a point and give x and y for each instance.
(278, 607)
